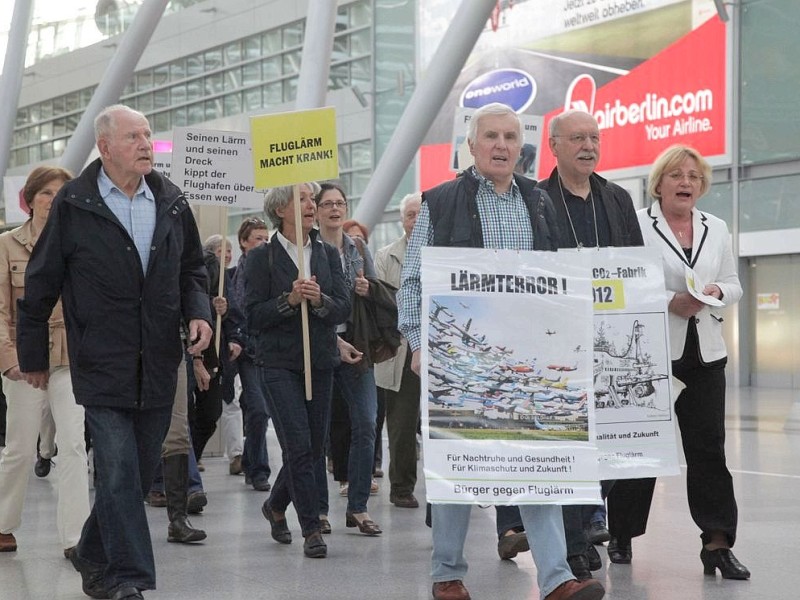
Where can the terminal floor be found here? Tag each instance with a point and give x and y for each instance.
(240, 561)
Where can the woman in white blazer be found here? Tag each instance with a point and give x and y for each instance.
(691, 238)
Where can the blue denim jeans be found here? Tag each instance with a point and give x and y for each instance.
(359, 392)
(302, 427)
(127, 448)
(545, 529)
(255, 458)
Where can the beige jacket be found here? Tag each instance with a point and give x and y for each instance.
(15, 252)
(389, 266)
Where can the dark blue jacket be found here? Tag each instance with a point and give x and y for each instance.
(123, 326)
(275, 331)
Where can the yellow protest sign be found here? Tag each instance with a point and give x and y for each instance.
(294, 147)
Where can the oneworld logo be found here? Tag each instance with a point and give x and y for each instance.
(511, 87)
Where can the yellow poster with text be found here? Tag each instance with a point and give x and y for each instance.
(294, 147)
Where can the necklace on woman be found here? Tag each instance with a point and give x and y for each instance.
(579, 244)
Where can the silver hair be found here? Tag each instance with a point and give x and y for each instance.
(495, 108)
(406, 199)
(105, 122)
(552, 128)
(278, 198)
(214, 243)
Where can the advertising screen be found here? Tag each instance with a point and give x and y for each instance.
(653, 72)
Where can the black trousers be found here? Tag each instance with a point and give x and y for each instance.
(629, 507)
(700, 409)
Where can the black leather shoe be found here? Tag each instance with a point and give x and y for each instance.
(597, 533)
(325, 525)
(42, 466)
(620, 551)
(315, 546)
(127, 593)
(579, 565)
(261, 484)
(195, 502)
(508, 546)
(724, 560)
(280, 529)
(595, 562)
(404, 500)
(91, 577)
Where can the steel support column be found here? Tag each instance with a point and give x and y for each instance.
(118, 74)
(422, 108)
(315, 62)
(13, 70)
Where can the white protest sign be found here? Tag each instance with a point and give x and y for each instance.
(214, 167)
(507, 413)
(632, 368)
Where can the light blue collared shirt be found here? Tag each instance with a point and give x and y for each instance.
(138, 216)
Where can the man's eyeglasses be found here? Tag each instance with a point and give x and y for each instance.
(331, 203)
(692, 176)
(580, 138)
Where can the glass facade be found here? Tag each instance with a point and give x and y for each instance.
(246, 75)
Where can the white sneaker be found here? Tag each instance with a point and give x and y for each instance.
(374, 488)
(343, 488)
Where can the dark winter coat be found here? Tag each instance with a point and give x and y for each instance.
(123, 326)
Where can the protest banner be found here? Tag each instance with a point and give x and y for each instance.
(632, 371)
(289, 149)
(507, 416)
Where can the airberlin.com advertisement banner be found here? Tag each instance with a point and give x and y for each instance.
(652, 72)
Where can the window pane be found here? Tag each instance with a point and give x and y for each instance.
(145, 102)
(252, 47)
(360, 73)
(160, 121)
(144, 80)
(293, 35)
(251, 74)
(360, 43)
(213, 109)
(271, 41)
(232, 104)
(194, 89)
(213, 59)
(161, 75)
(233, 53)
(291, 63)
(360, 14)
(289, 90)
(178, 93)
(769, 121)
(271, 67)
(341, 48)
(273, 93)
(194, 66)
(767, 204)
(177, 70)
(252, 100)
(180, 117)
(161, 98)
(213, 84)
(195, 114)
(362, 155)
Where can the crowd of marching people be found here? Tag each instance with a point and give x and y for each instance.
(115, 338)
